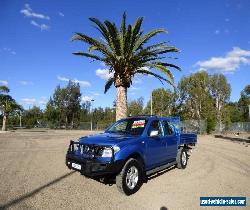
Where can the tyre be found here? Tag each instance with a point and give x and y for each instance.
(130, 179)
(181, 158)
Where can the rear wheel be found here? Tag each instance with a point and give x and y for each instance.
(182, 158)
(129, 180)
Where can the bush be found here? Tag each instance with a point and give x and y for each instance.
(211, 123)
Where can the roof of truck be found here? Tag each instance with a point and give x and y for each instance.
(158, 117)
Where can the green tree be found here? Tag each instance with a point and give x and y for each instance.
(220, 91)
(163, 102)
(64, 106)
(33, 117)
(231, 113)
(8, 105)
(85, 111)
(135, 107)
(195, 101)
(244, 102)
(126, 53)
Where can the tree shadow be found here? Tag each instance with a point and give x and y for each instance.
(163, 208)
(107, 180)
(234, 139)
(34, 192)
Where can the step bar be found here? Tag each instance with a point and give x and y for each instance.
(160, 168)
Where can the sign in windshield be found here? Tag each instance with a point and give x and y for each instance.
(132, 126)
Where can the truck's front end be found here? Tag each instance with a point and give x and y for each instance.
(93, 159)
(102, 154)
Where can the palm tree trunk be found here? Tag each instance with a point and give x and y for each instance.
(4, 122)
(121, 102)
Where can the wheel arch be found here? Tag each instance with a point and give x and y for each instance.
(137, 156)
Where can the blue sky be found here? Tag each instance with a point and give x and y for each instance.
(36, 51)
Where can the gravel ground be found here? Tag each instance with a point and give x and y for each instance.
(33, 176)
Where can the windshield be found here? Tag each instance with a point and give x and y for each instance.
(132, 126)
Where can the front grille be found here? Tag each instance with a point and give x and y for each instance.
(84, 149)
(87, 150)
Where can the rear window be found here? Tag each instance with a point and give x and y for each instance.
(168, 128)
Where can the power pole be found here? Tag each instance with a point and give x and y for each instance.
(249, 111)
(91, 110)
(151, 108)
(20, 123)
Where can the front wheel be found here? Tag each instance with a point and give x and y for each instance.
(182, 158)
(129, 180)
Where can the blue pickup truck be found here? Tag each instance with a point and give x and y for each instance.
(131, 149)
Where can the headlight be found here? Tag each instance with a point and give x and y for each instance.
(107, 151)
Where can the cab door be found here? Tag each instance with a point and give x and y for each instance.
(170, 140)
(155, 145)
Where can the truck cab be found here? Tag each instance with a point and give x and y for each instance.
(132, 149)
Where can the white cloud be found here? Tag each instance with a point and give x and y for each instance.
(61, 14)
(103, 64)
(63, 78)
(144, 68)
(27, 12)
(87, 98)
(137, 80)
(29, 101)
(81, 82)
(103, 74)
(95, 93)
(4, 82)
(23, 82)
(34, 102)
(238, 52)
(133, 88)
(217, 32)
(43, 101)
(41, 26)
(9, 50)
(227, 64)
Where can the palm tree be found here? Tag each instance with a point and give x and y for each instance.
(7, 105)
(126, 54)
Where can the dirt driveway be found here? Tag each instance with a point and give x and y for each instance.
(33, 176)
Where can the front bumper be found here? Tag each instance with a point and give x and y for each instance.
(93, 167)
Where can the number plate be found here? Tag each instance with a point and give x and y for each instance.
(76, 166)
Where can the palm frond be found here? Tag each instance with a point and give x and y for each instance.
(163, 69)
(91, 48)
(127, 40)
(114, 36)
(169, 65)
(93, 42)
(101, 27)
(146, 37)
(89, 55)
(108, 84)
(146, 72)
(123, 24)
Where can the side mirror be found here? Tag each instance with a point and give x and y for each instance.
(154, 133)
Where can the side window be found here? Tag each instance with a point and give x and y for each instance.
(168, 129)
(155, 126)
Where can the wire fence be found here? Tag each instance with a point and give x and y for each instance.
(95, 126)
(238, 127)
(194, 126)
(186, 126)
